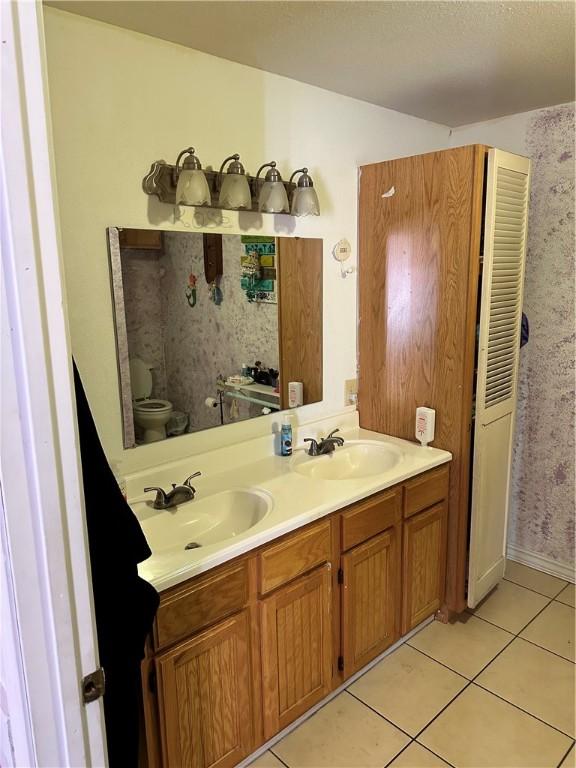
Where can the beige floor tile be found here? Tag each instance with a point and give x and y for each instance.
(478, 730)
(554, 630)
(408, 688)
(533, 579)
(343, 734)
(417, 756)
(570, 759)
(510, 606)
(267, 760)
(536, 681)
(567, 595)
(465, 646)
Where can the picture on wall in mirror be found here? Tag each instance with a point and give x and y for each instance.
(211, 329)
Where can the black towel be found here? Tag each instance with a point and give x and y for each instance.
(125, 604)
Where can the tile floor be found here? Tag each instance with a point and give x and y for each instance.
(493, 690)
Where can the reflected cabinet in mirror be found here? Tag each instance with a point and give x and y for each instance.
(213, 329)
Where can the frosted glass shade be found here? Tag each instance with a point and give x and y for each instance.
(273, 198)
(235, 192)
(192, 188)
(305, 202)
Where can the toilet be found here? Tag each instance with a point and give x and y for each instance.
(150, 414)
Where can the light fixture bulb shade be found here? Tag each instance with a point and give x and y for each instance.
(192, 188)
(273, 198)
(235, 192)
(305, 202)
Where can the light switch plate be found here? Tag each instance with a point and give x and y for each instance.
(351, 392)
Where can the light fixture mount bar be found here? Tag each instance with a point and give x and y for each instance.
(160, 181)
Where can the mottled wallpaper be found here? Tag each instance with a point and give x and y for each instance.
(208, 339)
(543, 493)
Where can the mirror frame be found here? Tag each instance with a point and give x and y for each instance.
(121, 333)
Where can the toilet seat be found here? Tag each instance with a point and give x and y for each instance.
(157, 406)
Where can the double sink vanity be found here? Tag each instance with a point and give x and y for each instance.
(278, 581)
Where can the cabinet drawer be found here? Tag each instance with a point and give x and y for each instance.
(370, 517)
(293, 556)
(426, 490)
(203, 602)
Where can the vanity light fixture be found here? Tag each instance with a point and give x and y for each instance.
(273, 197)
(304, 198)
(234, 190)
(191, 184)
(230, 188)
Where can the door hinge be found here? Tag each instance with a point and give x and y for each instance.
(340, 576)
(93, 685)
(341, 663)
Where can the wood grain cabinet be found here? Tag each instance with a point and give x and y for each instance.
(205, 697)
(296, 648)
(240, 652)
(370, 599)
(442, 241)
(424, 565)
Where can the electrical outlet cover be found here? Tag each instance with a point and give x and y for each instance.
(350, 391)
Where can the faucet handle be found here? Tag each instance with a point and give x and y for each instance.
(160, 499)
(187, 481)
(154, 488)
(313, 450)
(338, 440)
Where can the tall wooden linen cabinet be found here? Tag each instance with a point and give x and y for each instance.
(442, 242)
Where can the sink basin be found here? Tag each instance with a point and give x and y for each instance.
(203, 521)
(353, 461)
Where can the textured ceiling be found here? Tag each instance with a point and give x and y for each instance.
(451, 62)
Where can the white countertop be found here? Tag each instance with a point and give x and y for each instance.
(297, 500)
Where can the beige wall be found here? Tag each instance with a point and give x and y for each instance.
(119, 101)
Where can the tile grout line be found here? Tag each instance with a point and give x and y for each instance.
(498, 696)
(556, 600)
(504, 578)
(395, 725)
(561, 763)
(516, 634)
(277, 758)
(423, 747)
(380, 715)
(543, 648)
(450, 669)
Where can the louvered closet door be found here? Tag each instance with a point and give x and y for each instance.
(499, 344)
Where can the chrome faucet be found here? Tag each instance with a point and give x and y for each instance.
(324, 445)
(178, 495)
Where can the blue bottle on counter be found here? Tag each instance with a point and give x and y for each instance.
(286, 437)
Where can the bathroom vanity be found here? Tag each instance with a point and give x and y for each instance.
(255, 630)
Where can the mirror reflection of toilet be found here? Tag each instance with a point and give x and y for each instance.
(151, 414)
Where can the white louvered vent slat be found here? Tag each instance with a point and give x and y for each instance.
(506, 286)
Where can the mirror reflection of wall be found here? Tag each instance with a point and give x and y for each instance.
(198, 332)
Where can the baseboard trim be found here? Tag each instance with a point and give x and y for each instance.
(541, 563)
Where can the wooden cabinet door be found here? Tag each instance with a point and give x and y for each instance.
(205, 697)
(296, 648)
(370, 599)
(424, 565)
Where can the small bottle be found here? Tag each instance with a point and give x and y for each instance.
(286, 437)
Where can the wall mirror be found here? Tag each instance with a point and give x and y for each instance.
(213, 329)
